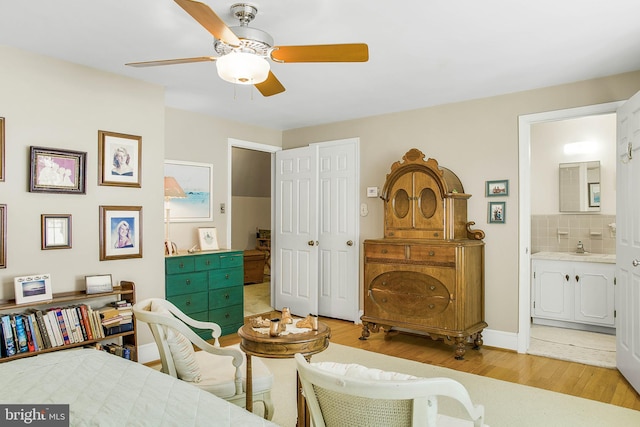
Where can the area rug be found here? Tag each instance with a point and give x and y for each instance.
(506, 404)
(589, 348)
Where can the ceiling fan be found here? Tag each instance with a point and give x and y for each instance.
(243, 50)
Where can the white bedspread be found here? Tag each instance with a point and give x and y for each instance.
(105, 390)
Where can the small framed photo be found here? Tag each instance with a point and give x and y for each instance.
(119, 159)
(57, 171)
(56, 231)
(594, 194)
(1, 149)
(497, 188)
(208, 239)
(34, 288)
(120, 232)
(3, 236)
(98, 284)
(497, 212)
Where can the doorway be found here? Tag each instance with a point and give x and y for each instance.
(525, 210)
(250, 210)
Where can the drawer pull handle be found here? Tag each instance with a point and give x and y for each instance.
(432, 287)
(431, 306)
(435, 234)
(431, 253)
(227, 315)
(181, 265)
(188, 302)
(226, 276)
(208, 262)
(577, 278)
(384, 283)
(384, 251)
(188, 282)
(567, 277)
(226, 296)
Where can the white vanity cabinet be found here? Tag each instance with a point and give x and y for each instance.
(574, 291)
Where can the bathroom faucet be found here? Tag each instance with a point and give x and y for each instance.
(580, 248)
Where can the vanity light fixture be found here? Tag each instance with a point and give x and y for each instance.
(581, 147)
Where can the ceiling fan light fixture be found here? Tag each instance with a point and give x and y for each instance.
(243, 68)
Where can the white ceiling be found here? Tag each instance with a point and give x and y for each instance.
(422, 52)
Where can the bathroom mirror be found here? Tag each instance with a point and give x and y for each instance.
(580, 186)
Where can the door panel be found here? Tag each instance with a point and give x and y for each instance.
(628, 241)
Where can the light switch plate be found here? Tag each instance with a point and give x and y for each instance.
(372, 191)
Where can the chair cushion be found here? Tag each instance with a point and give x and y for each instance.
(354, 370)
(181, 349)
(218, 377)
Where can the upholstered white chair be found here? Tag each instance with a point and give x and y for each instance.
(218, 370)
(353, 395)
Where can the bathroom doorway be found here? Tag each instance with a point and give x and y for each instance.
(250, 217)
(526, 188)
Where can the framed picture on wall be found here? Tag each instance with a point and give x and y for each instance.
(57, 171)
(594, 194)
(120, 232)
(196, 180)
(55, 231)
(497, 188)
(1, 149)
(3, 236)
(497, 212)
(119, 159)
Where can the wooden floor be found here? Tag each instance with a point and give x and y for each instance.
(590, 382)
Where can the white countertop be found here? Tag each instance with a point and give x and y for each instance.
(569, 256)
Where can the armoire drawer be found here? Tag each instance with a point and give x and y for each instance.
(179, 265)
(433, 254)
(227, 315)
(386, 251)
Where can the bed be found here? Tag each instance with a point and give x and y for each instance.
(105, 390)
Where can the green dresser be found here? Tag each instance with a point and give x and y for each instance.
(208, 286)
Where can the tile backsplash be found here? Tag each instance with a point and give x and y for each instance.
(561, 233)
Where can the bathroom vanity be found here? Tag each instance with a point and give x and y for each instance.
(574, 290)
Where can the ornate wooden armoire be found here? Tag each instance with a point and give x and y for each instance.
(427, 273)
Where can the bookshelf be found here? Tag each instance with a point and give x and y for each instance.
(126, 291)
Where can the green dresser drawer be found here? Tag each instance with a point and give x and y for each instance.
(186, 283)
(225, 297)
(191, 303)
(229, 318)
(181, 264)
(207, 262)
(232, 260)
(225, 278)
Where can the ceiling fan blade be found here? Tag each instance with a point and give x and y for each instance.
(172, 61)
(271, 86)
(209, 20)
(354, 52)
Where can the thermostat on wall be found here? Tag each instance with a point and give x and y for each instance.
(372, 191)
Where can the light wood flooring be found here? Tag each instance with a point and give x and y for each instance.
(590, 382)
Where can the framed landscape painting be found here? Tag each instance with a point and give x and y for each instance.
(196, 180)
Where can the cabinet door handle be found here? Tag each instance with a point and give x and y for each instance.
(431, 306)
(433, 288)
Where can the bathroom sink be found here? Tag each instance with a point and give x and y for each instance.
(582, 254)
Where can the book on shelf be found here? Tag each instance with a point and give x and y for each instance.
(31, 342)
(118, 329)
(85, 321)
(56, 332)
(35, 331)
(43, 329)
(8, 344)
(21, 333)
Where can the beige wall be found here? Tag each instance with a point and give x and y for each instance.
(56, 104)
(478, 140)
(201, 138)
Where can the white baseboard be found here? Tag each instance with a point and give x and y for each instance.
(500, 339)
(148, 353)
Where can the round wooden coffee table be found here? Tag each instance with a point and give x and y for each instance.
(254, 343)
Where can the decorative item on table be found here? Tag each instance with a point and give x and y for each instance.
(286, 316)
(259, 322)
(172, 190)
(274, 328)
(36, 287)
(98, 284)
(311, 322)
(208, 239)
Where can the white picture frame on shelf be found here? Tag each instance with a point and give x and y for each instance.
(33, 288)
(208, 238)
(98, 284)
